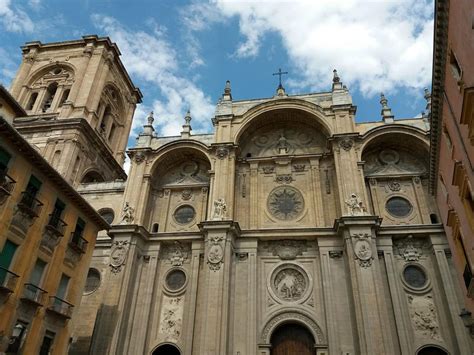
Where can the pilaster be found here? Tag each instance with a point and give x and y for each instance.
(219, 238)
(359, 233)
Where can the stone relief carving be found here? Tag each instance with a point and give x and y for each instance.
(355, 207)
(171, 317)
(139, 157)
(285, 203)
(220, 210)
(222, 152)
(268, 169)
(391, 162)
(363, 249)
(394, 185)
(118, 255)
(244, 186)
(284, 179)
(270, 141)
(286, 249)
(410, 249)
(215, 255)
(289, 284)
(127, 214)
(191, 172)
(176, 254)
(186, 194)
(346, 144)
(299, 167)
(423, 316)
(327, 182)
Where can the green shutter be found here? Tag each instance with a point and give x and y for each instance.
(4, 158)
(6, 257)
(34, 182)
(37, 273)
(60, 205)
(62, 288)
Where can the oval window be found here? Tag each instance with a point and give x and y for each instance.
(175, 280)
(184, 214)
(414, 276)
(92, 281)
(107, 215)
(399, 207)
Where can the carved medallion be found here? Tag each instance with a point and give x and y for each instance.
(394, 185)
(346, 143)
(222, 152)
(363, 249)
(215, 254)
(285, 203)
(289, 283)
(139, 157)
(186, 194)
(118, 255)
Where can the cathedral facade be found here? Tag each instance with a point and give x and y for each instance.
(288, 229)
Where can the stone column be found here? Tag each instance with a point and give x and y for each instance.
(361, 253)
(114, 315)
(219, 237)
(457, 329)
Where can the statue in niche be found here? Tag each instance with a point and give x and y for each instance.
(282, 145)
(220, 209)
(127, 214)
(355, 206)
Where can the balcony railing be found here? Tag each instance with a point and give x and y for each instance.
(6, 185)
(60, 307)
(30, 204)
(56, 225)
(33, 294)
(77, 242)
(8, 280)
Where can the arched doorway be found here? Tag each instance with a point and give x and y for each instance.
(290, 339)
(432, 350)
(166, 349)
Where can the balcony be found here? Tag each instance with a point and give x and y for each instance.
(30, 205)
(53, 231)
(33, 294)
(6, 186)
(60, 307)
(8, 281)
(78, 243)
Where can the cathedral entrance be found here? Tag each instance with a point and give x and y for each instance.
(166, 349)
(291, 339)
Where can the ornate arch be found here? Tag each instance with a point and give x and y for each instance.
(291, 316)
(37, 74)
(166, 343)
(283, 104)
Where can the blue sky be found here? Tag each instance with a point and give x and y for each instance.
(180, 53)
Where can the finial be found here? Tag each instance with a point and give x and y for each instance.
(150, 118)
(386, 112)
(188, 117)
(227, 96)
(336, 82)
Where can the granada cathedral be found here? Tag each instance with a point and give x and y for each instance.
(288, 229)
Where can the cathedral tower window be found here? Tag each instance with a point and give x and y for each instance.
(64, 96)
(49, 96)
(32, 101)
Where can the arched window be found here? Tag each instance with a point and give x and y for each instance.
(64, 96)
(92, 176)
(166, 349)
(431, 350)
(107, 214)
(49, 96)
(32, 101)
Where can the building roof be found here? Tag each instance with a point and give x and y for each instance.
(7, 132)
(5, 94)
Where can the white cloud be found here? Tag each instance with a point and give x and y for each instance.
(150, 57)
(376, 45)
(14, 19)
(8, 67)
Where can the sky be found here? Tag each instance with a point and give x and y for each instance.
(180, 53)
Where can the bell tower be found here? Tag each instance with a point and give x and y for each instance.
(80, 103)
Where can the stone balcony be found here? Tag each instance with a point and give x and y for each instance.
(33, 295)
(6, 186)
(8, 281)
(60, 307)
(53, 231)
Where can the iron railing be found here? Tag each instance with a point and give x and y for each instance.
(33, 293)
(30, 204)
(60, 306)
(8, 280)
(56, 224)
(77, 242)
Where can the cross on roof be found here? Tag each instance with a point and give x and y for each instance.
(280, 73)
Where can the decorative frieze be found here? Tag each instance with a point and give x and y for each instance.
(286, 249)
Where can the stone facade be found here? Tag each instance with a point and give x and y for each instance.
(290, 212)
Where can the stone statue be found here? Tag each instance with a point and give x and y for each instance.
(282, 145)
(220, 209)
(127, 214)
(355, 206)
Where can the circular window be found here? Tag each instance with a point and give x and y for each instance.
(107, 215)
(399, 207)
(184, 214)
(414, 276)
(285, 203)
(175, 280)
(92, 281)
